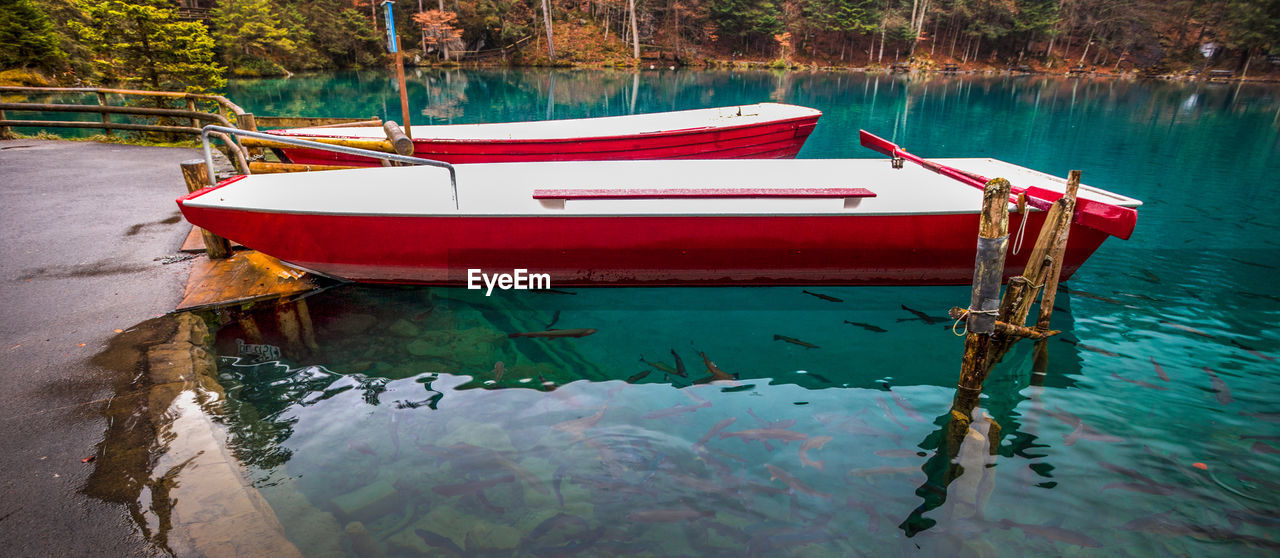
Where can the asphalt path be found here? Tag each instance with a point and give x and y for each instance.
(81, 227)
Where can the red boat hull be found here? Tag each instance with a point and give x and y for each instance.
(778, 139)
(935, 249)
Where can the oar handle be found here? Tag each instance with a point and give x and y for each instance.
(1109, 218)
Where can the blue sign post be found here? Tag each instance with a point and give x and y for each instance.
(393, 47)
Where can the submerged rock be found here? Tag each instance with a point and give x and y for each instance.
(404, 328)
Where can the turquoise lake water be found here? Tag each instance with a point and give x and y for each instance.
(1154, 430)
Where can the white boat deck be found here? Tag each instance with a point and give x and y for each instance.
(637, 124)
(506, 189)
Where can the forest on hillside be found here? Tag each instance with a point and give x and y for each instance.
(197, 44)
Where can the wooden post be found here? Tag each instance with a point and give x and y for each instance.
(1058, 251)
(196, 175)
(102, 101)
(398, 137)
(249, 326)
(308, 329)
(993, 238)
(4, 130)
(246, 121)
(1043, 267)
(404, 95)
(290, 328)
(191, 106)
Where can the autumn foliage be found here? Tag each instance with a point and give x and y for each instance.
(439, 30)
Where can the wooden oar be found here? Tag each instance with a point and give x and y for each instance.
(1109, 218)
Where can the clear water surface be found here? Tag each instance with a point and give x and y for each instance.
(420, 428)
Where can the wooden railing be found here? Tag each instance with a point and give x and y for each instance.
(195, 111)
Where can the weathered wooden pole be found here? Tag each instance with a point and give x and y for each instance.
(984, 302)
(1058, 251)
(308, 328)
(1042, 270)
(196, 175)
(399, 137)
(291, 328)
(4, 130)
(102, 101)
(249, 326)
(393, 46)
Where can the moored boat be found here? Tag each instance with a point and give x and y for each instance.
(767, 222)
(759, 131)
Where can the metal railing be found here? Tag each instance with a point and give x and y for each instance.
(214, 129)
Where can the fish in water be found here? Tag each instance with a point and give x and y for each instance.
(868, 327)
(766, 434)
(814, 443)
(1087, 294)
(680, 370)
(555, 333)
(498, 370)
(360, 446)
(471, 487)
(1139, 382)
(823, 297)
(786, 423)
(1252, 351)
(440, 542)
(554, 318)
(1267, 416)
(876, 471)
(529, 479)
(1259, 447)
(715, 371)
(676, 410)
(794, 341)
(793, 483)
(556, 479)
(816, 376)
(1086, 432)
(1220, 389)
(580, 425)
(668, 515)
(1159, 370)
(906, 407)
(1056, 534)
(921, 316)
(889, 413)
(659, 366)
(715, 429)
(638, 376)
(898, 453)
(1187, 329)
(1098, 350)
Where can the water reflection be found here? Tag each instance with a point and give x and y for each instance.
(1149, 429)
(565, 457)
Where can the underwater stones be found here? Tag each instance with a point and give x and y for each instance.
(488, 536)
(350, 324)
(485, 435)
(423, 347)
(315, 532)
(404, 328)
(367, 502)
(362, 543)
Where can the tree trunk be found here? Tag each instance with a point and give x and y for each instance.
(546, 18)
(635, 35)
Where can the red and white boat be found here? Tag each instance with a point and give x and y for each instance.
(770, 222)
(760, 131)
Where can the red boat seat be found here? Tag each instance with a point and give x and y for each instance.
(667, 193)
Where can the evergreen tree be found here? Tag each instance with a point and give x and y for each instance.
(748, 23)
(140, 43)
(28, 38)
(250, 37)
(342, 35)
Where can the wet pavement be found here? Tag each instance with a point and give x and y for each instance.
(81, 227)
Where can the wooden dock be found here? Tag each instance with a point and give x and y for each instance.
(245, 277)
